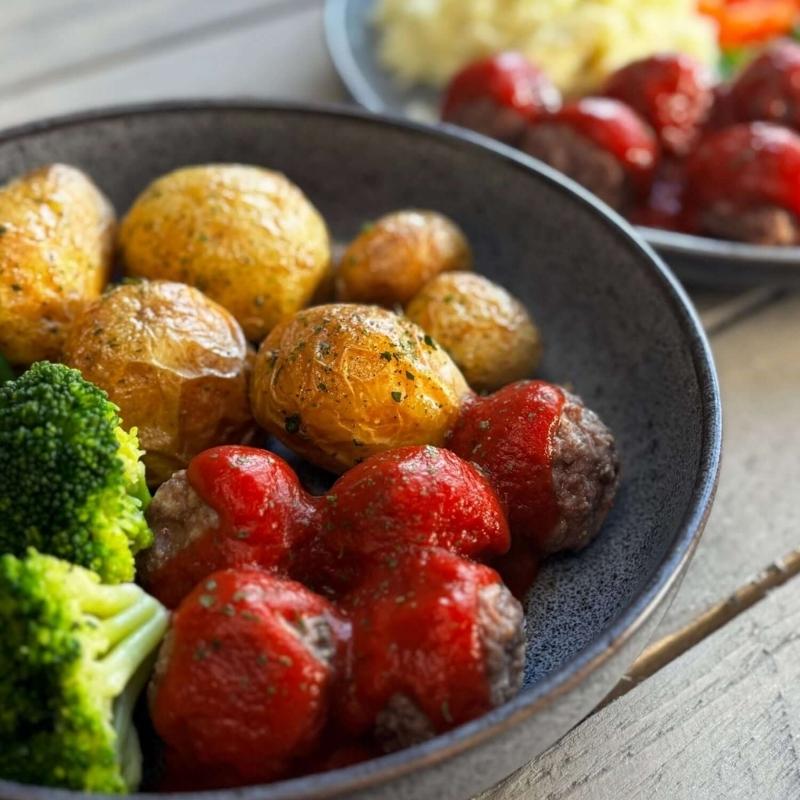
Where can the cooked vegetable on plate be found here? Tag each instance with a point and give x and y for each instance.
(487, 332)
(395, 256)
(75, 655)
(246, 236)
(337, 383)
(176, 363)
(71, 481)
(56, 242)
(307, 631)
(578, 43)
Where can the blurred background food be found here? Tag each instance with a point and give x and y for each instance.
(577, 42)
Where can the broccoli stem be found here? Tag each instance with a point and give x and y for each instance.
(135, 633)
(102, 600)
(129, 753)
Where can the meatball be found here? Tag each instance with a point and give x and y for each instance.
(246, 236)
(178, 517)
(234, 506)
(552, 462)
(498, 96)
(338, 383)
(245, 679)
(437, 641)
(768, 89)
(176, 363)
(487, 332)
(393, 258)
(486, 116)
(585, 473)
(601, 144)
(743, 183)
(419, 495)
(672, 92)
(56, 243)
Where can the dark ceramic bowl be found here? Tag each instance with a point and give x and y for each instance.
(617, 327)
(352, 42)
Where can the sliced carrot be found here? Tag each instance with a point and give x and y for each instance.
(748, 21)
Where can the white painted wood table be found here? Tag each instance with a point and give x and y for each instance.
(712, 709)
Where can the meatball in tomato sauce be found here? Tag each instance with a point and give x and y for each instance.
(498, 96)
(600, 143)
(672, 92)
(437, 641)
(552, 461)
(743, 183)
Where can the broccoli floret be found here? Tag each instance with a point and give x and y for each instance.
(74, 657)
(71, 480)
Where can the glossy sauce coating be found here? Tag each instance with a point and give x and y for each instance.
(394, 257)
(508, 79)
(338, 383)
(176, 363)
(499, 95)
(416, 634)
(245, 678)
(742, 167)
(768, 89)
(510, 435)
(56, 242)
(418, 496)
(246, 236)
(263, 518)
(672, 92)
(618, 130)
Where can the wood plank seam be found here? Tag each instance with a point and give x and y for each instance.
(662, 652)
(204, 31)
(721, 722)
(739, 308)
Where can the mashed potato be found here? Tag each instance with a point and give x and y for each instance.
(577, 42)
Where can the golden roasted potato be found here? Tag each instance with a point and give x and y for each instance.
(488, 333)
(176, 363)
(56, 244)
(337, 383)
(246, 236)
(392, 259)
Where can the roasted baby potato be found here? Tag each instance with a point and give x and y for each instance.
(56, 243)
(176, 363)
(392, 259)
(247, 237)
(488, 333)
(337, 383)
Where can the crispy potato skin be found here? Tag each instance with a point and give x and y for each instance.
(488, 333)
(394, 258)
(56, 245)
(340, 382)
(176, 363)
(246, 236)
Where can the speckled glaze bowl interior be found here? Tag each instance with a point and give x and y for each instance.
(617, 327)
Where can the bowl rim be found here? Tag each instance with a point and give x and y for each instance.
(675, 243)
(566, 678)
